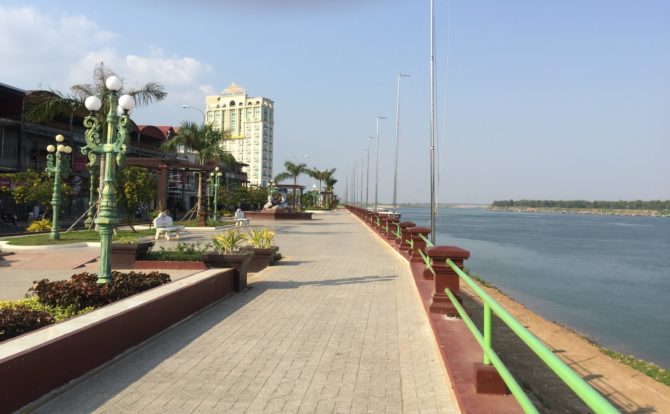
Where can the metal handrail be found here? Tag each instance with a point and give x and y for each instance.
(424, 256)
(511, 383)
(584, 391)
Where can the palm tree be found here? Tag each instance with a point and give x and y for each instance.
(45, 106)
(293, 170)
(42, 107)
(330, 183)
(320, 175)
(206, 142)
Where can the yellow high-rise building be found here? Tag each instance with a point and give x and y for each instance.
(250, 122)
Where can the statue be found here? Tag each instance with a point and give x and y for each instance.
(276, 202)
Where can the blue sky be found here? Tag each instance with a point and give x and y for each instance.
(544, 100)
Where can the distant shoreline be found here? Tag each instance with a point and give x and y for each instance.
(583, 211)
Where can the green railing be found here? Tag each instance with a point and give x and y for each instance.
(424, 256)
(583, 390)
(397, 231)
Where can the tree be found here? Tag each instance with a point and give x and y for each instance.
(33, 188)
(204, 140)
(330, 184)
(47, 106)
(320, 175)
(134, 186)
(293, 170)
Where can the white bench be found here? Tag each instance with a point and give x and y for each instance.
(241, 222)
(164, 226)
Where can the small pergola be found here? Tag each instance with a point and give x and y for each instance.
(163, 165)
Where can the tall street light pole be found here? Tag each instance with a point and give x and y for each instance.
(432, 121)
(397, 140)
(58, 165)
(113, 148)
(377, 162)
(367, 174)
(361, 181)
(216, 179)
(204, 119)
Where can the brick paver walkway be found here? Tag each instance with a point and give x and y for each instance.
(337, 327)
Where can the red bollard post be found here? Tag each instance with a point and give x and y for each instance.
(416, 233)
(390, 231)
(405, 226)
(445, 277)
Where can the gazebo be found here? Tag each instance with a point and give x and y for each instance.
(293, 187)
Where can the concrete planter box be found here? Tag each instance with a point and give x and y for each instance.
(262, 258)
(170, 264)
(124, 255)
(276, 215)
(38, 362)
(238, 261)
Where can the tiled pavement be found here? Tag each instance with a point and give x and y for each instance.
(337, 327)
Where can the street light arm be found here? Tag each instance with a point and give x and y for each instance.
(197, 109)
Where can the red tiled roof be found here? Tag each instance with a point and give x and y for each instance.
(156, 132)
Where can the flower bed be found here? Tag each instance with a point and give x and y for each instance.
(55, 301)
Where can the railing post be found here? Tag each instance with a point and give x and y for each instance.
(390, 231)
(415, 233)
(445, 277)
(405, 226)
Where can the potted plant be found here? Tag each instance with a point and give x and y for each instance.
(261, 242)
(126, 249)
(228, 254)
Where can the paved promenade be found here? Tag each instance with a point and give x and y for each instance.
(336, 327)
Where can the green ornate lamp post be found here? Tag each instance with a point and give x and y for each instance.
(91, 195)
(210, 193)
(215, 178)
(112, 151)
(58, 166)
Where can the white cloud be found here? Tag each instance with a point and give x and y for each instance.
(39, 50)
(177, 71)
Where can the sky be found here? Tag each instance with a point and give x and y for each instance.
(538, 100)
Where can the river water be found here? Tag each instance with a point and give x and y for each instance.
(607, 277)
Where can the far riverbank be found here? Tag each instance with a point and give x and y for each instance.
(583, 211)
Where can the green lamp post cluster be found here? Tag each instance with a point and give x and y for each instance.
(215, 178)
(111, 149)
(58, 166)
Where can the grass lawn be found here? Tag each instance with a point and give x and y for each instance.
(71, 237)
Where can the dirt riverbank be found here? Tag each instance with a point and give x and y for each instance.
(630, 390)
(586, 211)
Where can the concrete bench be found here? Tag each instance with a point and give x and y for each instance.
(165, 226)
(241, 222)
